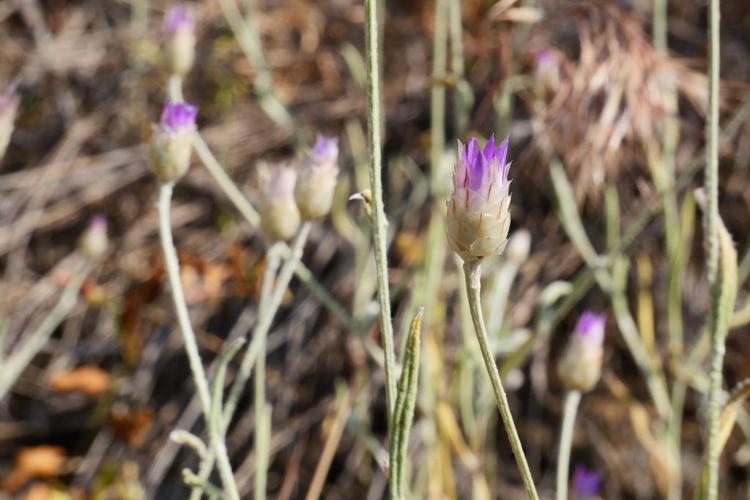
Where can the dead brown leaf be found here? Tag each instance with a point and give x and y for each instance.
(44, 461)
(91, 380)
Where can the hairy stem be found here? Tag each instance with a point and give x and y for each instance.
(711, 230)
(191, 345)
(473, 271)
(572, 398)
(379, 221)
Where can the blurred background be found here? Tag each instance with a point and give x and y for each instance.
(613, 94)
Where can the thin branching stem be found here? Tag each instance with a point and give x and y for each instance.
(191, 345)
(473, 271)
(572, 399)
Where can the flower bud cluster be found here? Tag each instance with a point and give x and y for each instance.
(289, 195)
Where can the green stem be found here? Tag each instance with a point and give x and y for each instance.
(473, 271)
(34, 341)
(191, 345)
(711, 229)
(379, 220)
(572, 398)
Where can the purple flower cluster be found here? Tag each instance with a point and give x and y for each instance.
(476, 165)
(178, 116)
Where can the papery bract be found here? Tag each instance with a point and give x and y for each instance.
(316, 181)
(279, 215)
(581, 363)
(479, 207)
(179, 40)
(172, 141)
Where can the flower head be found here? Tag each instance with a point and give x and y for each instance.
(94, 239)
(479, 208)
(547, 69)
(179, 32)
(171, 144)
(586, 483)
(317, 179)
(8, 107)
(581, 363)
(279, 215)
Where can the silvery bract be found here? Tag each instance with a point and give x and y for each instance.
(479, 208)
(279, 215)
(581, 363)
(317, 179)
(179, 40)
(171, 144)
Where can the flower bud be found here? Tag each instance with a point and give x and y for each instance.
(279, 215)
(317, 179)
(94, 242)
(8, 108)
(171, 144)
(479, 208)
(581, 363)
(179, 43)
(547, 69)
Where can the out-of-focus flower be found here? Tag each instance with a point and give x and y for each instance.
(586, 484)
(581, 363)
(172, 141)
(94, 242)
(547, 69)
(279, 215)
(317, 179)
(8, 108)
(179, 33)
(479, 208)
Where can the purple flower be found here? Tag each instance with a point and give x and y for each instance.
(316, 182)
(479, 207)
(581, 363)
(178, 116)
(477, 167)
(171, 144)
(590, 327)
(178, 17)
(279, 215)
(325, 150)
(586, 483)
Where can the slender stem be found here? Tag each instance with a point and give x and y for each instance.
(265, 318)
(33, 341)
(259, 397)
(191, 345)
(379, 221)
(711, 229)
(473, 271)
(572, 398)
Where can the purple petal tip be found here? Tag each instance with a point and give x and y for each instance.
(591, 326)
(178, 17)
(586, 484)
(178, 116)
